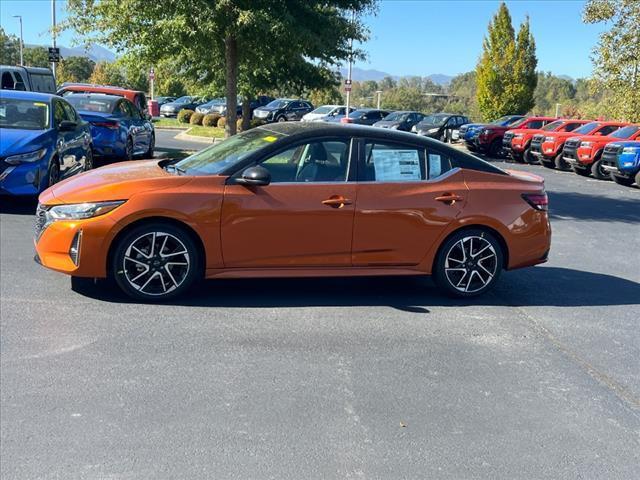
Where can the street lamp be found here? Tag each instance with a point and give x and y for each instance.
(378, 92)
(19, 17)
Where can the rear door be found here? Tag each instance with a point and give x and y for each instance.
(303, 218)
(407, 196)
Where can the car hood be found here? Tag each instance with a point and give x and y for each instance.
(267, 109)
(386, 124)
(118, 181)
(14, 141)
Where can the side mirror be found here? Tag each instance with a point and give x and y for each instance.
(255, 176)
(67, 126)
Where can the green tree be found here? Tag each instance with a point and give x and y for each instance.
(505, 73)
(106, 73)
(36, 57)
(552, 90)
(616, 58)
(75, 69)
(9, 49)
(247, 44)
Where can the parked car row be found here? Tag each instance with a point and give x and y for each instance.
(601, 149)
(45, 138)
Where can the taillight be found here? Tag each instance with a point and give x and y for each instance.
(539, 201)
(111, 125)
(345, 120)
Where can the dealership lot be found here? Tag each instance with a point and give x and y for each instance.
(326, 378)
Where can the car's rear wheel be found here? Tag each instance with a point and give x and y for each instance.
(128, 149)
(281, 118)
(155, 262)
(597, 171)
(469, 263)
(638, 179)
(152, 145)
(626, 181)
(495, 148)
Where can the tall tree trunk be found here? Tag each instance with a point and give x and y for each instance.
(246, 112)
(231, 61)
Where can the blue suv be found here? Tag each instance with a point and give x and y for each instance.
(622, 161)
(469, 131)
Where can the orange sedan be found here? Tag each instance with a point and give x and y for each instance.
(296, 200)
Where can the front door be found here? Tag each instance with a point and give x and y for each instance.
(303, 218)
(407, 196)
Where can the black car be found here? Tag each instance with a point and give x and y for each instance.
(441, 126)
(162, 100)
(283, 110)
(364, 116)
(400, 120)
(219, 105)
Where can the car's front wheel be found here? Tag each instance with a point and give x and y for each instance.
(560, 163)
(155, 262)
(597, 171)
(626, 181)
(468, 263)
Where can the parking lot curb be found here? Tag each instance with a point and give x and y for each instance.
(194, 138)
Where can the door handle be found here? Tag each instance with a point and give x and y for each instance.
(449, 198)
(336, 201)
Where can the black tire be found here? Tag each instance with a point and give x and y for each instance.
(638, 179)
(128, 149)
(53, 172)
(495, 148)
(281, 118)
(88, 161)
(560, 163)
(152, 145)
(463, 275)
(597, 171)
(626, 181)
(529, 157)
(545, 162)
(582, 171)
(145, 272)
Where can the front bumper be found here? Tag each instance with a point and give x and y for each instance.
(24, 178)
(53, 244)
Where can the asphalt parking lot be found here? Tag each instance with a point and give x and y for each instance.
(334, 378)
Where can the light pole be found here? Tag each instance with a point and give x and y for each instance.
(19, 17)
(53, 33)
(348, 86)
(378, 92)
(558, 105)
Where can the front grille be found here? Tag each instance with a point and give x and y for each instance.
(572, 143)
(570, 149)
(536, 143)
(506, 140)
(610, 155)
(41, 221)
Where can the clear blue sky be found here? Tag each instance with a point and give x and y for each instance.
(413, 37)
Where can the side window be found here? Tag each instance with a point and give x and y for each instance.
(132, 109)
(452, 122)
(20, 84)
(438, 163)
(388, 162)
(294, 105)
(7, 81)
(69, 112)
(59, 113)
(608, 129)
(121, 109)
(570, 127)
(326, 161)
(535, 124)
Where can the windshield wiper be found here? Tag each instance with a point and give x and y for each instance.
(175, 169)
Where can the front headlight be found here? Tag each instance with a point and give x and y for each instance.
(549, 139)
(586, 144)
(26, 157)
(432, 130)
(631, 150)
(80, 211)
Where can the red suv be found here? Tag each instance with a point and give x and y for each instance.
(548, 147)
(134, 96)
(489, 139)
(517, 142)
(587, 157)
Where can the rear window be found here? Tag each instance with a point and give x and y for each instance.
(42, 83)
(88, 104)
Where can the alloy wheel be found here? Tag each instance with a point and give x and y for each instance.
(156, 263)
(54, 172)
(470, 264)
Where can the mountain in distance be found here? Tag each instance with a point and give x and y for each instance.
(91, 51)
(363, 74)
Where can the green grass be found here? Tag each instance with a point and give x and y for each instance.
(169, 122)
(209, 132)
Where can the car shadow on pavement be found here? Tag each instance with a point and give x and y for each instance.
(540, 286)
(18, 205)
(581, 206)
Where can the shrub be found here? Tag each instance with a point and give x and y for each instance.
(257, 122)
(222, 121)
(196, 118)
(211, 120)
(185, 115)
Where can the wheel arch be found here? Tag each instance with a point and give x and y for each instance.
(158, 219)
(475, 226)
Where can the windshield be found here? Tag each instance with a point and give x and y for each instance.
(102, 105)
(434, 119)
(185, 99)
(24, 114)
(278, 104)
(358, 113)
(216, 158)
(324, 110)
(396, 117)
(626, 132)
(587, 128)
(552, 126)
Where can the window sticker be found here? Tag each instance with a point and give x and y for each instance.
(270, 138)
(396, 165)
(435, 165)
